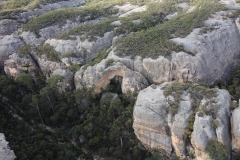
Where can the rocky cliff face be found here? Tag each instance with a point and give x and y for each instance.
(5, 152)
(235, 129)
(158, 127)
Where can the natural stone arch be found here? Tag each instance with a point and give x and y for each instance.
(131, 80)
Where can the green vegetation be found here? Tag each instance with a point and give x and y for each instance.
(197, 92)
(24, 50)
(74, 67)
(217, 151)
(11, 6)
(48, 51)
(89, 30)
(154, 41)
(109, 62)
(98, 57)
(232, 84)
(103, 123)
(60, 16)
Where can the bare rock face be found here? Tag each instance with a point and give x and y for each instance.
(31, 39)
(8, 26)
(67, 84)
(235, 122)
(99, 77)
(16, 66)
(203, 132)
(157, 128)
(84, 49)
(5, 152)
(9, 45)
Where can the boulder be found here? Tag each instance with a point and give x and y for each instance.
(31, 39)
(67, 83)
(8, 26)
(9, 45)
(99, 77)
(158, 128)
(16, 65)
(82, 48)
(235, 122)
(5, 152)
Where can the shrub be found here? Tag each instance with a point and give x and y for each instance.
(60, 16)
(109, 62)
(24, 50)
(48, 51)
(217, 150)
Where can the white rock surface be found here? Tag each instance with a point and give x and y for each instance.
(67, 84)
(5, 152)
(84, 49)
(31, 39)
(235, 124)
(9, 45)
(135, 10)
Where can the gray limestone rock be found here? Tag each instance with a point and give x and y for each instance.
(84, 49)
(9, 45)
(99, 77)
(235, 122)
(31, 39)
(5, 152)
(8, 26)
(158, 129)
(67, 83)
(16, 65)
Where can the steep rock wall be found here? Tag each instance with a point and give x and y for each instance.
(157, 128)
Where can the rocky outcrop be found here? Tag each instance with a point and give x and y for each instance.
(5, 152)
(16, 65)
(235, 122)
(9, 45)
(67, 83)
(31, 39)
(99, 77)
(209, 55)
(85, 49)
(29, 14)
(204, 132)
(157, 128)
(8, 26)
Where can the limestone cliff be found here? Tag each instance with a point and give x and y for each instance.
(5, 152)
(161, 125)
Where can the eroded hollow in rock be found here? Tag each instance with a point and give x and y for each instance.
(115, 85)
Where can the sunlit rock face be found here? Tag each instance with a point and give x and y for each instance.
(158, 129)
(5, 152)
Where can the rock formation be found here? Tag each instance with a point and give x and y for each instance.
(235, 122)
(9, 45)
(99, 77)
(16, 65)
(5, 152)
(157, 128)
